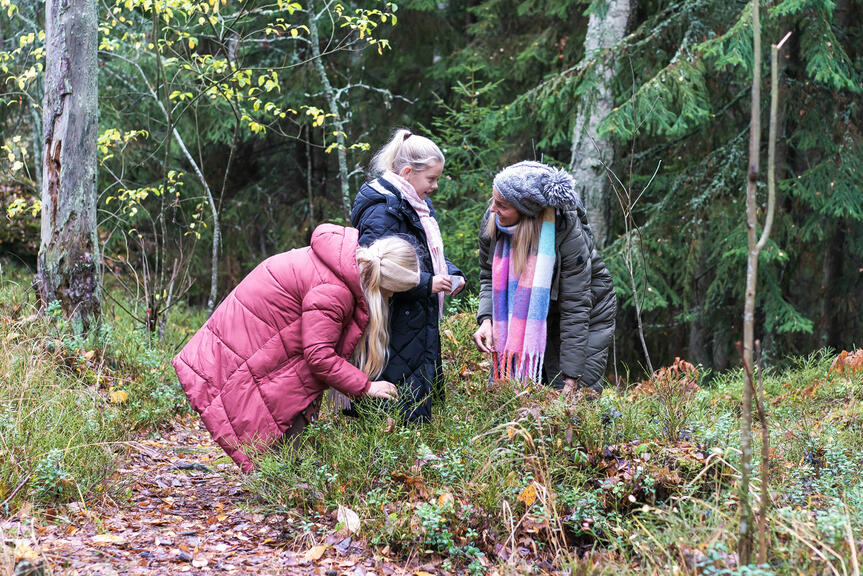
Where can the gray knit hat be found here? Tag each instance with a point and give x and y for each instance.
(531, 186)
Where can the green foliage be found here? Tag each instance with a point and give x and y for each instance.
(68, 402)
(500, 460)
(470, 138)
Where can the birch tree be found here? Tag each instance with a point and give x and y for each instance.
(604, 29)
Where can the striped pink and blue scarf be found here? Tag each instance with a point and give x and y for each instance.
(520, 304)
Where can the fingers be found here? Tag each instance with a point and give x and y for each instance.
(483, 340)
(441, 284)
(383, 389)
(478, 340)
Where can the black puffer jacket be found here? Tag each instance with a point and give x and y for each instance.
(415, 353)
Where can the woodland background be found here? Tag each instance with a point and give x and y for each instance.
(275, 109)
(228, 129)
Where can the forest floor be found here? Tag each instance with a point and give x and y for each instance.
(177, 506)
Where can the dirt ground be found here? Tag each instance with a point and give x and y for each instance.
(178, 507)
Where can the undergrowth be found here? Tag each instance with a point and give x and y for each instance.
(640, 479)
(68, 403)
(632, 481)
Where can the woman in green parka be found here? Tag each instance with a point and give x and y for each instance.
(547, 304)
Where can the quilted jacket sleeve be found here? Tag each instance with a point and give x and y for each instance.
(574, 299)
(485, 296)
(375, 222)
(326, 311)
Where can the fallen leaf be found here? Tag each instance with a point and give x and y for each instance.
(445, 499)
(349, 518)
(118, 396)
(316, 552)
(528, 495)
(422, 573)
(105, 539)
(23, 551)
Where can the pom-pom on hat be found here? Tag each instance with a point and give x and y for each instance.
(531, 186)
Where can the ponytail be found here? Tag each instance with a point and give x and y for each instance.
(406, 149)
(389, 263)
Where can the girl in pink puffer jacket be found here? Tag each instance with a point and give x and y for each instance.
(257, 368)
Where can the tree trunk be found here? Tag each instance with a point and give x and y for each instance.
(603, 31)
(333, 105)
(69, 253)
(745, 533)
(829, 326)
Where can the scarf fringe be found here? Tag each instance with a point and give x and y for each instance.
(511, 366)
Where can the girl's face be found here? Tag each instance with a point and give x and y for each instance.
(507, 215)
(424, 182)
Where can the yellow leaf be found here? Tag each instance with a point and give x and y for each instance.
(528, 495)
(88, 355)
(11, 336)
(24, 551)
(349, 518)
(315, 553)
(445, 499)
(105, 539)
(118, 396)
(422, 573)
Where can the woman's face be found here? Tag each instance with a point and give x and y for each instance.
(507, 215)
(424, 182)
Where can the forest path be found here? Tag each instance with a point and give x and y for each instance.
(181, 509)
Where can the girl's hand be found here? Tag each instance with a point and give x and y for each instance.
(484, 337)
(458, 283)
(441, 283)
(383, 389)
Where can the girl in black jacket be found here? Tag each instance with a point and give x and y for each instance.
(397, 202)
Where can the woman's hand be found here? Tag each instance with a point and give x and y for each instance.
(484, 337)
(441, 283)
(383, 389)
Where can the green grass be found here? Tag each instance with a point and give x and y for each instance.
(634, 481)
(67, 404)
(609, 489)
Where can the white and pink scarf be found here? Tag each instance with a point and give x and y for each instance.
(430, 226)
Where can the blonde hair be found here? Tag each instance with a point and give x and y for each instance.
(525, 239)
(406, 149)
(378, 265)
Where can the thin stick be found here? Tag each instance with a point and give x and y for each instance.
(765, 461)
(16, 490)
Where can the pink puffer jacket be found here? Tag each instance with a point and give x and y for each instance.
(277, 342)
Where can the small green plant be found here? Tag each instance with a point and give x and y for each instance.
(51, 481)
(676, 387)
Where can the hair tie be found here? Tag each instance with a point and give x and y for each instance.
(375, 254)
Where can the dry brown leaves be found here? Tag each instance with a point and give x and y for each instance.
(178, 507)
(847, 363)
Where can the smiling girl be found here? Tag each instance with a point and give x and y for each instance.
(397, 202)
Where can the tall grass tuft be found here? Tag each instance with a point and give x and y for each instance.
(639, 480)
(67, 403)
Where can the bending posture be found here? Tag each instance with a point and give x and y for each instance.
(257, 368)
(397, 202)
(547, 303)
